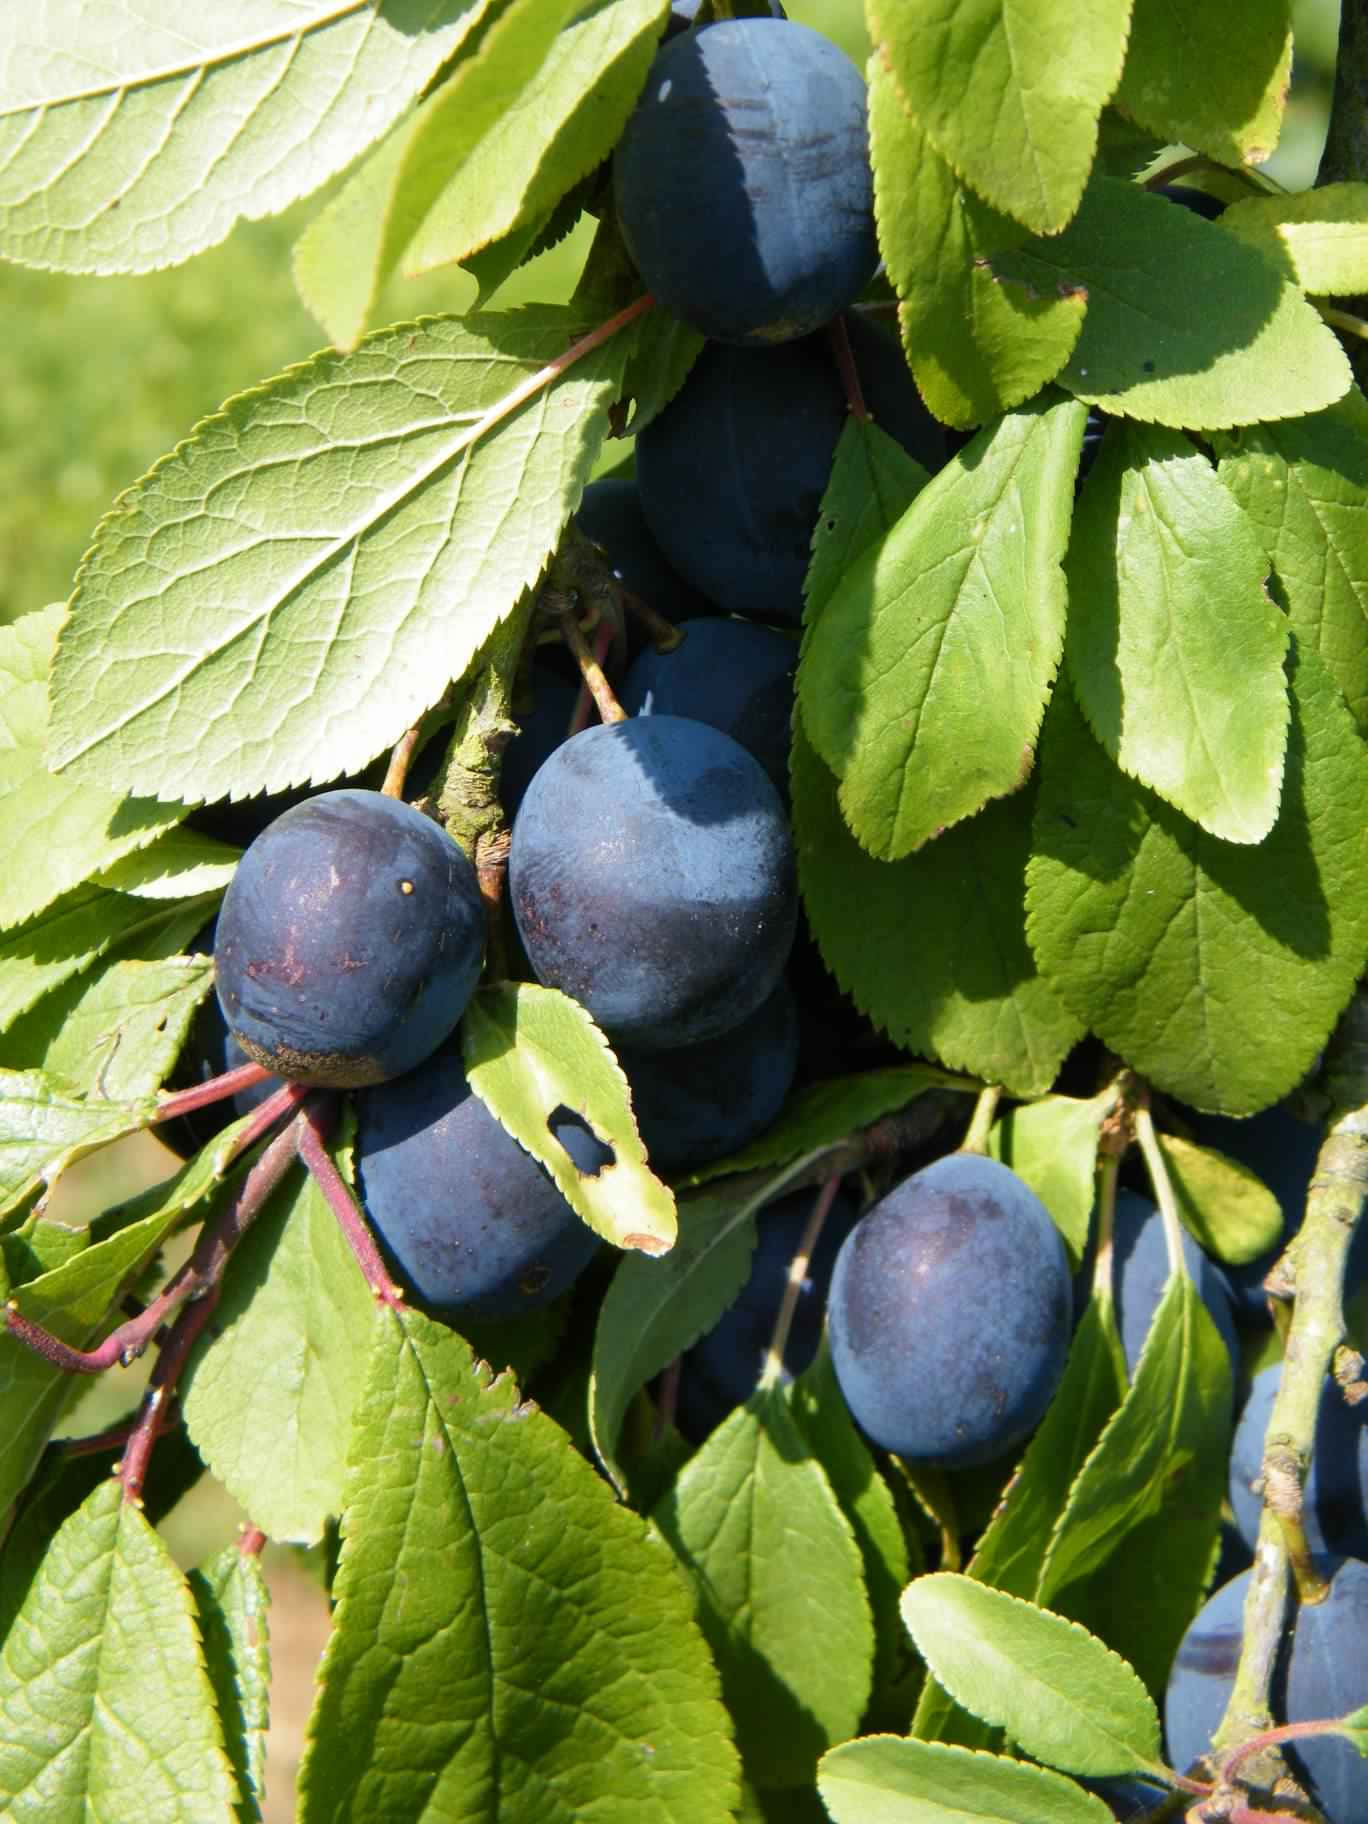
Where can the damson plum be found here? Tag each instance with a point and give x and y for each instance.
(730, 674)
(349, 940)
(471, 1221)
(697, 1103)
(1335, 1499)
(743, 184)
(652, 877)
(950, 1313)
(731, 474)
(1321, 1672)
(610, 513)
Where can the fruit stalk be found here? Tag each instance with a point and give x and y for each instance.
(1338, 1192)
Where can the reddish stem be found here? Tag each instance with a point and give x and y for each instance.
(204, 1095)
(160, 1398)
(839, 339)
(285, 1101)
(336, 1190)
(251, 1542)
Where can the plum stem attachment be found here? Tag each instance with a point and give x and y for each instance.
(205, 1095)
(773, 1370)
(981, 1121)
(338, 1195)
(585, 703)
(1335, 1201)
(1160, 1183)
(591, 669)
(265, 1116)
(400, 760)
(664, 634)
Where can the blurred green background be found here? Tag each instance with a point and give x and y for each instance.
(102, 376)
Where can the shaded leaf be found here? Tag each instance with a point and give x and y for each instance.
(656, 1309)
(135, 134)
(1228, 1209)
(750, 1515)
(292, 588)
(1212, 77)
(923, 679)
(1174, 648)
(933, 947)
(1216, 970)
(491, 1591)
(1304, 488)
(530, 1051)
(231, 1601)
(976, 346)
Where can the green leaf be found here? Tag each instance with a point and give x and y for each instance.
(1009, 92)
(1304, 487)
(1052, 1145)
(1174, 648)
(291, 589)
(120, 1026)
(656, 1309)
(1259, 350)
(178, 865)
(933, 948)
(530, 1051)
(823, 1114)
(1130, 1550)
(1355, 1727)
(872, 483)
(923, 680)
(886, 1780)
(43, 1128)
(57, 833)
(565, 121)
(818, 1408)
(1011, 1549)
(1059, 1694)
(1216, 970)
(510, 1645)
(270, 1390)
(751, 1515)
(74, 932)
(354, 244)
(105, 1705)
(133, 135)
(1212, 77)
(1319, 238)
(1230, 1211)
(231, 1600)
(976, 346)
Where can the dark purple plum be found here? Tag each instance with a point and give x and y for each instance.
(652, 877)
(733, 675)
(1335, 1499)
(471, 1221)
(1322, 1672)
(950, 1313)
(732, 472)
(721, 1370)
(743, 184)
(349, 941)
(540, 733)
(610, 513)
(697, 1103)
(1140, 1273)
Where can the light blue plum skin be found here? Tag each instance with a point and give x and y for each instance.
(1335, 1498)
(652, 877)
(472, 1222)
(1140, 1272)
(349, 941)
(950, 1313)
(742, 181)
